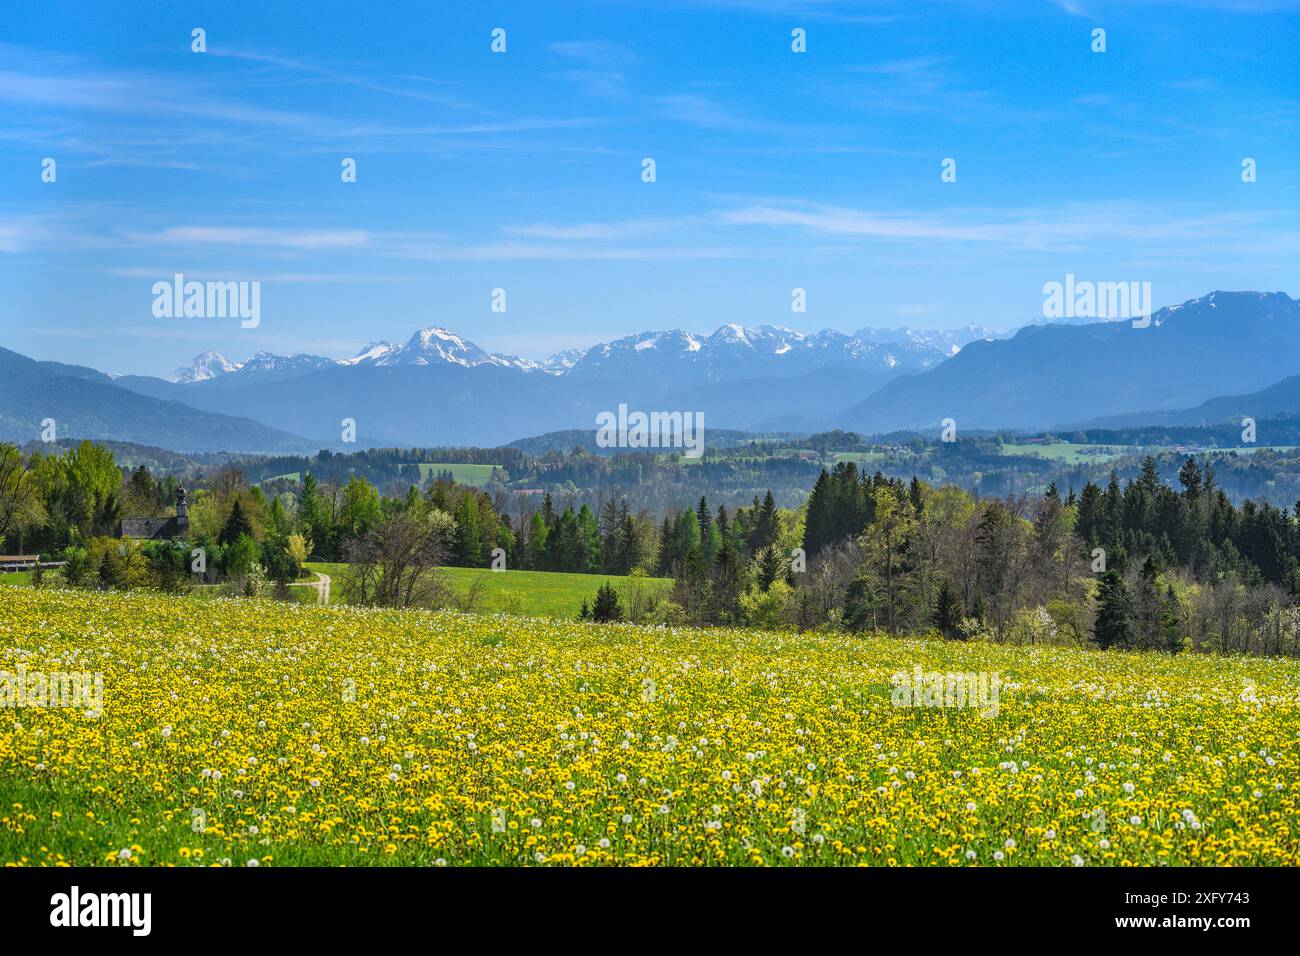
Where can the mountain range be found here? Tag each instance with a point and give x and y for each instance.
(1060, 375)
(732, 352)
(85, 403)
(439, 388)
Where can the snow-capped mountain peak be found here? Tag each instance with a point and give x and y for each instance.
(432, 346)
(439, 339)
(371, 354)
(202, 367)
(268, 362)
(731, 332)
(561, 362)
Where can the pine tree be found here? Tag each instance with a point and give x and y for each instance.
(770, 566)
(947, 610)
(469, 539)
(1112, 510)
(1090, 522)
(1113, 626)
(279, 529)
(1147, 608)
(634, 550)
(611, 543)
(1171, 623)
(767, 526)
(236, 524)
(1189, 476)
(564, 551)
(607, 607)
(817, 515)
(916, 495)
(708, 533)
(316, 513)
(688, 534)
(727, 579)
(589, 542)
(1149, 479)
(667, 547)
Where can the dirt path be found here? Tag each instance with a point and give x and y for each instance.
(321, 586)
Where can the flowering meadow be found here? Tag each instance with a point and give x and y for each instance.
(243, 732)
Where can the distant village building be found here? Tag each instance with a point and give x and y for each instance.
(161, 529)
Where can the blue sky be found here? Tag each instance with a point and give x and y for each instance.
(522, 170)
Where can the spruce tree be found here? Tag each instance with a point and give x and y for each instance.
(1171, 623)
(766, 527)
(235, 525)
(607, 607)
(817, 515)
(769, 567)
(1147, 608)
(1189, 476)
(947, 610)
(1113, 626)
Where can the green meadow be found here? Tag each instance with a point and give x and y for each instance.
(530, 593)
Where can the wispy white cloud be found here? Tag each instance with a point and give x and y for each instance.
(626, 229)
(334, 75)
(286, 278)
(146, 162)
(764, 227)
(1067, 226)
(925, 67)
(1198, 84)
(781, 227)
(706, 110)
(224, 116)
(1072, 7)
(552, 252)
(597, 67)
(753, 228)
(697, 109)
(23, 233)
(315, 239)
(932, 86)
(593, 51)
(838, 11)
(139, 93)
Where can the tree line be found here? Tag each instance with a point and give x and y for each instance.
(1140, 563)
